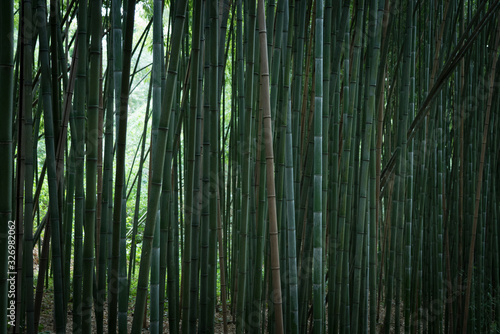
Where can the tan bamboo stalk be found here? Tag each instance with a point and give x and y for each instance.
(271, 192)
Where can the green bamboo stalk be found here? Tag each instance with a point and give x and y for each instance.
(51, 171)
(246, 135)
(206, 208)
(395, 263)
(213, 40)
(333, 243)
(373, 49)
(275, 48)
(327, 41)
(496, 236)
(119, 179)
(166, 216)
(387, 23)
(440, 199)
(334, 237)
(18, 209)
(400, 203)
(224, 7)
(158, 168)
(91, 167)
(155, 324)
(238, 83)
(60, 154)
(68, 219)
(173, 261)
(70, 193)
(305, 257)
(118, 279)
(317, 273)
(270, 21)
(193, 192)
(291, 277)
(56, 102)
(164, 222)
(343, 230)
(372, 241)
(156, 87)
(63, 54)
(44, 254)
(6, 151)
(79, 134)
(167, 186)
(27, 97)
(296, 93)
(253, 206)
(169, 224)
(294, 324)
(418, 239)
(479, 183)
(104, 264)
(410, 194)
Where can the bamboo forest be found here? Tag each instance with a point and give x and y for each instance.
(249, 166)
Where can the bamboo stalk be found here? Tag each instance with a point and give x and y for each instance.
(268, 140)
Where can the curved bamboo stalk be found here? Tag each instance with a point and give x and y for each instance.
(493, 73)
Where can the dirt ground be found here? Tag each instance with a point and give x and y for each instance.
(46, 325)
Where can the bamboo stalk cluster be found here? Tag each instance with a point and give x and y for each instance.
(309, 165)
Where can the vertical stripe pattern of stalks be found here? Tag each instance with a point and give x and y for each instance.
(314, 166)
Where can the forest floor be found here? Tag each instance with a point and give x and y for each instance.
(46, 325)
